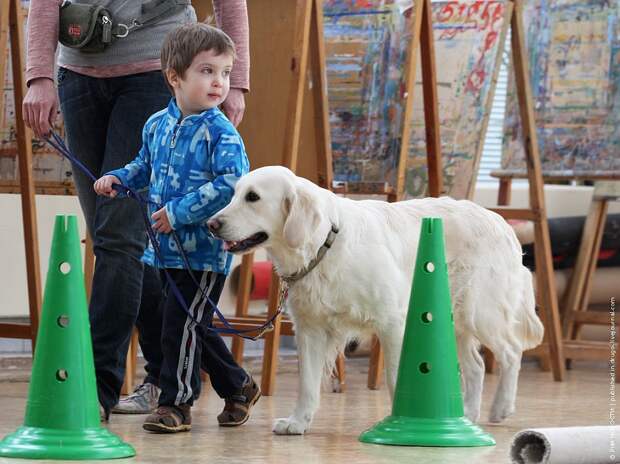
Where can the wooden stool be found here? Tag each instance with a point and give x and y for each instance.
(586, 262)
(576, 312)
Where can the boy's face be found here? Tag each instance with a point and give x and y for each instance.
(205, 84)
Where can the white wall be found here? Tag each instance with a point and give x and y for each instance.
(561, 201)
(13, 283)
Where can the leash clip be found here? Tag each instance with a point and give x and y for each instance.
(268, 328)
(282, 298)
(127, 29)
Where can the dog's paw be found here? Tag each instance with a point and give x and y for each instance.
(473, 414)
(501, 412)
(336, 385)
(289, 426)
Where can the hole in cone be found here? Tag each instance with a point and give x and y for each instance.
(61, 375)
(427, 317)
(65, 268)
(63, 321)
(429, 267)
(425, 368)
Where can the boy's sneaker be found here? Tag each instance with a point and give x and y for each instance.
(237, 408)
(169, 419)
(143, 400)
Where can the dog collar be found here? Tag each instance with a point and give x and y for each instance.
(319, 256)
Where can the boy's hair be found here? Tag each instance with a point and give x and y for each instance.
(182, 44)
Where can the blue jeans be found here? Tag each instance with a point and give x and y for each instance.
(103, 122)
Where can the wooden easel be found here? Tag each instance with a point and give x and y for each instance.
(577, 293)
(310, 24)
(11, 20)
(421, 39)
(552, 348)
(422, 31)
(294, 134)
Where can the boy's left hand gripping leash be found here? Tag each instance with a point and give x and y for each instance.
(58, 143)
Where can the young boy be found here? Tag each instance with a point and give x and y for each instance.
(191, 159)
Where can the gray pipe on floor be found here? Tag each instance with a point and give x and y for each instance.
(567, 445)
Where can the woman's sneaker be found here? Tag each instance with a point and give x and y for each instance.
(143, 400)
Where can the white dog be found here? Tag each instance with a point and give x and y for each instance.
(357, 280)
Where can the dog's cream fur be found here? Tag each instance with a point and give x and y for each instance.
(362, 285)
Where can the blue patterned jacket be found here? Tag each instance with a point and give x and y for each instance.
(191, 166)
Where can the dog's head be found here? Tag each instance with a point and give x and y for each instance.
(270, 205)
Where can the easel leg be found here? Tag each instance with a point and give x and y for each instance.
(243, 300)
(431, 110)
(504, 194)
(26, 180)
(89, 265)
(272, 340)
(544, 268)
(376, 365)
(131, 364)
(338, 377)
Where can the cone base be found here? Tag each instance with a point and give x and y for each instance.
(43, 443)
(409, 431)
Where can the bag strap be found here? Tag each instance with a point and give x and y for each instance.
(151, 11)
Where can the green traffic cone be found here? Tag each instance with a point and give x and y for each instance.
(62, 414)
(428, 406)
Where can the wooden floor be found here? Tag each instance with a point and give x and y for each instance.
(581, 400)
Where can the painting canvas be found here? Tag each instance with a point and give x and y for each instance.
(469, 38)
(366, 46)
(574, 55)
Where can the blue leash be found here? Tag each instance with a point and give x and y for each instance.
(58, 143)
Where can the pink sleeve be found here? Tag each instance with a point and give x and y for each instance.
(232, 17)
(42, 38)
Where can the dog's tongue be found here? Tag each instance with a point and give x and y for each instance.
(228, 245)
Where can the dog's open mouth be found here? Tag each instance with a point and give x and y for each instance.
(243, 245)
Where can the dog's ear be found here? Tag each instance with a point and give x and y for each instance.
(303, 217)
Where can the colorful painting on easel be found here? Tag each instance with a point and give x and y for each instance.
(365, 45)
(48, 166)
(469, 39)
(574, 57)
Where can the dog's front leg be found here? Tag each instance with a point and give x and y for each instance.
(313, 346)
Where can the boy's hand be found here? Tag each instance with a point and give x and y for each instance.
(103, 186)
(162, 224)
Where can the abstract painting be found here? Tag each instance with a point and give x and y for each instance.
(574, 56)
(366, 46)
(469, 38)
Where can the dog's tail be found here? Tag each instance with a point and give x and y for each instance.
(532, 330)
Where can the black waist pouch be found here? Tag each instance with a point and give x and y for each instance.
(85, 27)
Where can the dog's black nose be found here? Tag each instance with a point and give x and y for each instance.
(214, 225)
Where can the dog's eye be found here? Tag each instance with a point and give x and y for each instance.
(252, 196)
